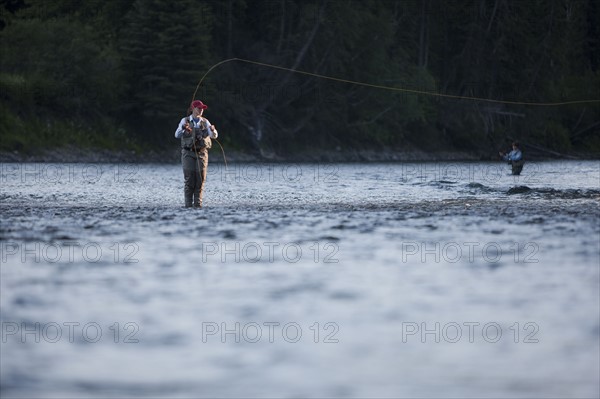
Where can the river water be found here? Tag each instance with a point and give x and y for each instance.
(322, 280)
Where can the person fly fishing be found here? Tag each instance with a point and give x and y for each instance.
(195, 133)
(514, 158)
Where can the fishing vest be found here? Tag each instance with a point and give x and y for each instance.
(199, 135)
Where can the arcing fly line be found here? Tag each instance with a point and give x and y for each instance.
(391, 88)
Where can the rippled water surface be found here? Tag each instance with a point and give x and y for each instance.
(321, 280)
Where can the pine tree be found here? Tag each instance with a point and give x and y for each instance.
(165, 51)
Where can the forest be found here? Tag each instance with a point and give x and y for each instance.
(120, 74)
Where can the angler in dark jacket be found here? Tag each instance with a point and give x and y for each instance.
(195, 133)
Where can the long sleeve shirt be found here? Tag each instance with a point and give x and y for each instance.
(213, 134)
(514, 155)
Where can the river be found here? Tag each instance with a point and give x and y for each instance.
(382, 280)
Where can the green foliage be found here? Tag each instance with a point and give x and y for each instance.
(64, 69)
(31, 134)
(164, 49)
(59, 82)
(11, 130)
(95, 67)
(550, 133)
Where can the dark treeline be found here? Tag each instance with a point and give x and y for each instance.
(120, 74)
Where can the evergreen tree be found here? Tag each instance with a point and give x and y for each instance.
(165, 51)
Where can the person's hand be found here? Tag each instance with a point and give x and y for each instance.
(187, 128)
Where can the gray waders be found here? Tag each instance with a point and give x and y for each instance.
(194, 175)
(195, 163)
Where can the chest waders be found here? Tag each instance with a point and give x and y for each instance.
(517, 166)
(194, 159)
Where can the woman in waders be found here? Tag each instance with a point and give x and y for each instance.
(195, 133)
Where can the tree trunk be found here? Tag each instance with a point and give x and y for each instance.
(281, 27)
(423, 36)
(299, 58)
(229, 28)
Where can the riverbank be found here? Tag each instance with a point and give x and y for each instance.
(73, 155)
(171, 155)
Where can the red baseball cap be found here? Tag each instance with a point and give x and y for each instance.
(198, 104)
